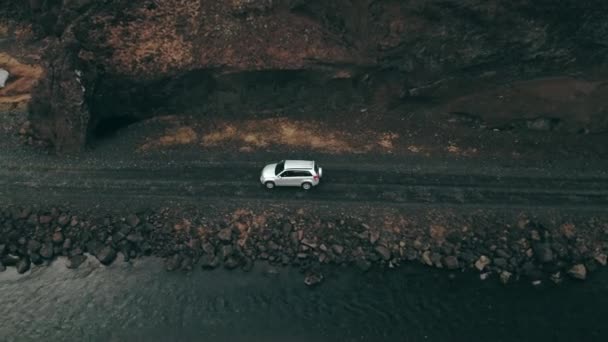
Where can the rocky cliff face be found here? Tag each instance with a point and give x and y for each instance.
(122, 60)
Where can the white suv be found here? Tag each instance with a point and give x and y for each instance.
(303, 173)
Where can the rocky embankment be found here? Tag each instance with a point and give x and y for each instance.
(506, 247)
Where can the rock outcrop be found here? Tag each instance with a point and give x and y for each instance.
(128, 60)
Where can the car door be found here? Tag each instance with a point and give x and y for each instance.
(287, 178)
(300, 176)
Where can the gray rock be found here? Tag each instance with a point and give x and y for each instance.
(313, 279)
(500, 263)
(45, 219)
(505, 276)
(578, 271)
(374, 236)
(36, 259)
(231, 263)
(47, 251)
(135, 238)
(337, 249)
(451, 262)
(132, 220)
(384, 252)
(482, 262)
(543, 252)
(209, 261)
(106, 255)
(33, 246)
(23, 265)
(601, 258)
(63, 220)
(227, 251)
(426, 258)
(225, 234)
(173, 263)
(3, 77)
(75, 261)
(57, 237)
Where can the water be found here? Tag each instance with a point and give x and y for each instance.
(142, 302)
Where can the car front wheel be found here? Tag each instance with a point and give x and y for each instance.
(306, 186)
(269, 185)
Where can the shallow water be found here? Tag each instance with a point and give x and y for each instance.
(141, 302)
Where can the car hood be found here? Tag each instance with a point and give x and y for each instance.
(268, 170)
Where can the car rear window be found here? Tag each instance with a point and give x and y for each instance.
(316, 168)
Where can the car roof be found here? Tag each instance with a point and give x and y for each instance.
(299, 164)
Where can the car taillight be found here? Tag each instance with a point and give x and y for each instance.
(315, 177)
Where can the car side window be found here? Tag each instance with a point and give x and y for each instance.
(287, 174)
(302, 174)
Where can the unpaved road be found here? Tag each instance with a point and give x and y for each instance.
(384, 184)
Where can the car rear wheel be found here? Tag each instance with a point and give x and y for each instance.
(306, 186)
(269, 185)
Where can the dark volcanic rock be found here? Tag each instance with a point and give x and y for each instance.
(578, 271)
(543, 252)
(75, 261)
(135, 238)
(451, 262)
(46, 251)
(209, 261)
(231, 263)
(173, 263)
(225, 234)
(132, 220)
(106, 255)
(23, 265)
(384, 252)
(57, 238)
(36, 259)
(33, 246)
(63, 220)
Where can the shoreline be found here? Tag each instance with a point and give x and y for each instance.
(546, 245)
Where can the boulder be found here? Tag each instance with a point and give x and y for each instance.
(173, 263)
(482, 263)
(132, 220)
(57, 238)
(209, 261)
(384, 252)
(601, 258)
(543, 252)
(3, 77)
(313, 278)
(47, 251)
(338, 249)
(578, 271)
(33, 246)
(225, 234)
(23, 265)
(106, 255)
(505, 276)
(451, 262)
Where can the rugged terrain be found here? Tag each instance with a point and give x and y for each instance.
(458, 134)
(532, 64)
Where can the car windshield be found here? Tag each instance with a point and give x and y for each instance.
(280, 167)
